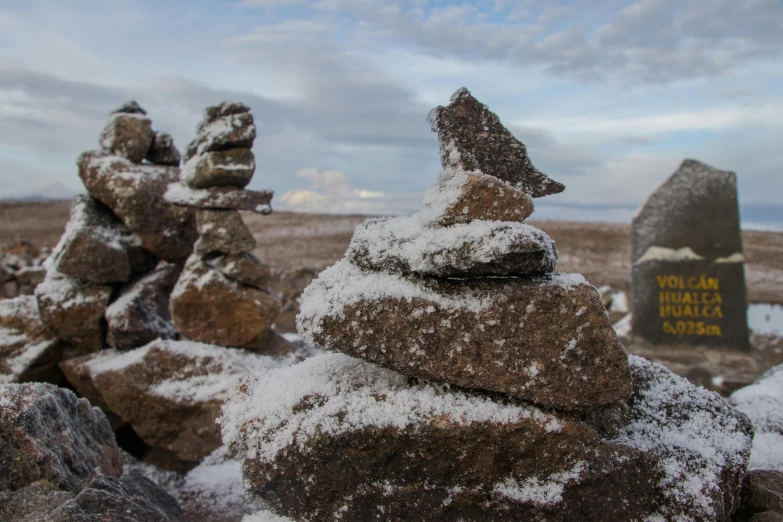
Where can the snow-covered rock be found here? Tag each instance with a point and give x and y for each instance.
(28, 351)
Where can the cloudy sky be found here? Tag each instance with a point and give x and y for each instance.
(609, 95)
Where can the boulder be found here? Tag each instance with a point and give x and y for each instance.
(48, 433)
(32, 503)
(762, 492)
(140, 314)
(163, 151)
(231, 131)
(96, 247)
(762, 402)
(400, 447)
(222, 231)
(207, 306)
(170, 392)
(233, 168)
(461, 197)
(128, 135)
(226, 108)
(243, 268)
(472, 138)
(226, 198)
(479, 248)
(28, 351)
(135, 194)
(73, 311)
(544, 340)
(131, 497)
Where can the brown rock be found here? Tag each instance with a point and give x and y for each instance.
(73, 311)
(132, 497)
(402, 447)
(140, 314)
(232, 131)
(462, 197)
(227, 198)
(769, 516)
(32, 503)
(480, 248)
(225, 108)
(135, 195)
(243, 268)
(762, 491)
(98, 248)
(78, 372)
(206, 306)
(171, 392)
(162, 151)
(128, 135)
(473, 138)
(49, 433)
(28, 351)
(222, 231)
(232, 168)
(544, 340)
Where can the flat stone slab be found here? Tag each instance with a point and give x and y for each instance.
(227, 198)
(675, 451)
(479, 248)
(544, 340)
(462, 197)
(472, 138)
(169, 391)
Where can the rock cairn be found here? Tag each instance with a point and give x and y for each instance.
(152, 261)
(223, 295)
(484, 385)
(21, 269)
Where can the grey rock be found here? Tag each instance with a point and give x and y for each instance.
(243, 268)
(232, 168)
(128, 135)
(162, 151)
(129, 107)
(232, 131)
(220, 198)
(48, 433)
(472, 137)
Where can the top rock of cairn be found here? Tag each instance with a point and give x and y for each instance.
(473, 138)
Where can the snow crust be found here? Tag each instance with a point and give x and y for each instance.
(131, 304)
(67, 292)
(658, 253)
(409, 241)
(541, 491)
(332, 394)
(206, 372)
(762, 402)
(344, 284)
(694, 433)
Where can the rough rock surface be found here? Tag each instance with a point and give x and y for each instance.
(131, 497)
(222, 231)
(96, 247)
(472, 138)
(49, 433)
(233, 168)
(480, 248)
(762, 492)
(547, 341)
(28, 351)
(462, 197)
(169, 391)
(32, 503)
(762, 402)
(128, 135)
(207, 306)
(135, 195)
(226, 108)
(675, 452)
(162, 151)
(227, 198)
(231, 131)
(243, 268)
(140, 313)
(73, 311)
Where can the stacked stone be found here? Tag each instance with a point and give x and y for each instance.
(486, 386)
(223, 295)
(21, 269)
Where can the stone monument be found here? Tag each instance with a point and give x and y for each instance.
(688, 278)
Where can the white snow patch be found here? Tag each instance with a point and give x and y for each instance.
(658, 253)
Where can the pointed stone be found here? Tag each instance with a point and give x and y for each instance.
(162, 151)
(129, 107)
(473, 138)
(222, 231)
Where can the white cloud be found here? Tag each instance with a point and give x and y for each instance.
(330, 192)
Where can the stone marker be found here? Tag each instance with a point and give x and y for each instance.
(688, 268)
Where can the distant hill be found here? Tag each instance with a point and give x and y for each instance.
(53, 192)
